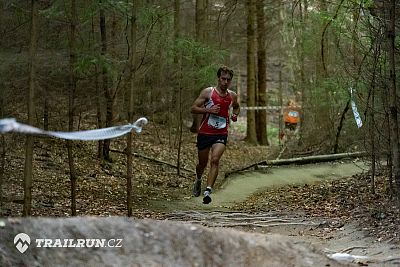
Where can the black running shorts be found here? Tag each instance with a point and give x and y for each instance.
(204, 140)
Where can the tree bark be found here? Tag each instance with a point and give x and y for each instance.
(177, 62)
(394, 125)
(261, 115)
(301, 160)
(251, 135)
(97, 77)
(2, 153)
(106, 90)
(129, 159)
(201, 19)
(339, 128)
(45, 110)
(71, 102)
(303, 10)
(31, 111)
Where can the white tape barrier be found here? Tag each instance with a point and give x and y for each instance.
(261, 108)
(11, 125)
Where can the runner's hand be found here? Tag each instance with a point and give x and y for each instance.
(234, 117)
(214, 109)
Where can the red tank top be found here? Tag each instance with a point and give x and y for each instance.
(216, 123)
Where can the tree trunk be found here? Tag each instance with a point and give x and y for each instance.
(177, 62)
(100, 123)
(280, 96)
(320, 67)
(177, 28)
(129, 159)
(97, 77)
(356, 16)
(107, 91)
(201, 19)
(371, 114)
(71, 102)
(339, 128)
(46, 110)
(394, 125)
(261, 115)
(303, 80)
(251, 135)
(324, 118)
(2, 153)
(31, 111)
(371, 130)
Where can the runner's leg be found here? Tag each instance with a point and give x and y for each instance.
(203, 160)
(217, 150)
(202, 164)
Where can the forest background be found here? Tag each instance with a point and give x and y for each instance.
(75, 65)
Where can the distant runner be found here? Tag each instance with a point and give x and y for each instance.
(291, 118)
(214, 103)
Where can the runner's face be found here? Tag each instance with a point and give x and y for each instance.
(224, 81)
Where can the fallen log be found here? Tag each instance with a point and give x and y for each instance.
(313, 159)
(299, 160)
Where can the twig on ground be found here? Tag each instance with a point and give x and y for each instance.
(352, 248)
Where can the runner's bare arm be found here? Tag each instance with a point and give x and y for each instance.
(235, 104)
(198, 105)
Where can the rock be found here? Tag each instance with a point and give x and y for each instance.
(134, 242)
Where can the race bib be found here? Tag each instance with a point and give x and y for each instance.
(216, 122)
(293, 114)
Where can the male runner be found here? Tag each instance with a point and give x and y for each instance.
(214, 103)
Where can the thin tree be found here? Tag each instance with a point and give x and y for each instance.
(106, 90)
(132, 53)
(201, 19)
(177, 62)
(393, 100)
(320, 66)
(303, 17)
(71, 101)
(251, 135)
(31, 111)
(2, 153)
(261, 115)
(97, 78)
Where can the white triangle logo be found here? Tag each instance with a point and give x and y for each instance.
(22, 242)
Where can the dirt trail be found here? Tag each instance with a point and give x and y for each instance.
(241, 186)
(328, 235)
(238, 187)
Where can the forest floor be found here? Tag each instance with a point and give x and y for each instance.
(337, 215)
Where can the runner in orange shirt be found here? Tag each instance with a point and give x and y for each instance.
(291, 118)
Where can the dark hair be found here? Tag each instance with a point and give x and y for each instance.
(226, 70)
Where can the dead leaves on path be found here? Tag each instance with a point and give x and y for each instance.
(347, 199)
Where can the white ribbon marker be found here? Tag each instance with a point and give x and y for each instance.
(11, 125)
(355, 111)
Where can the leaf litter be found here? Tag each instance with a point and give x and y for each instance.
(101, 187)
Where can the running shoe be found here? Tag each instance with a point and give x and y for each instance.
(196, 188)
(207, 198)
